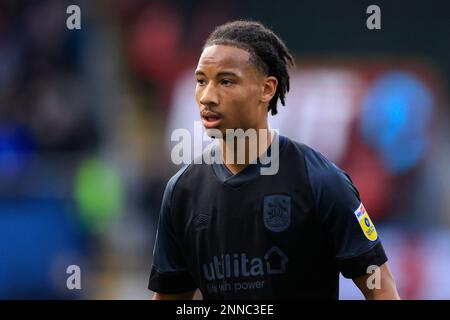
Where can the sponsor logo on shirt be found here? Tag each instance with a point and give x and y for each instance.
(366, 224)
(236, 265)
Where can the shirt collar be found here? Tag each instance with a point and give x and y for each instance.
(250, 172)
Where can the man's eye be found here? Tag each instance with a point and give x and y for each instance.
(226, 82)
(201, 82)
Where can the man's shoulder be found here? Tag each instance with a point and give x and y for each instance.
(326, 176)
(185, 174)
(319, 168)
(294, 146)
(301, 150)
(176, 178)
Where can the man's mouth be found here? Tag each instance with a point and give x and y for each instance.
(211, 122)
(211, 119)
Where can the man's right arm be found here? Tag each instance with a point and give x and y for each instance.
(169, 274)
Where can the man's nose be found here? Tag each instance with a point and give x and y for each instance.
(209, 96)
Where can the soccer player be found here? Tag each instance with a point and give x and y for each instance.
(234, 233)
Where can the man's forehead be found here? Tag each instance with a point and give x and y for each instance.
(223, 56)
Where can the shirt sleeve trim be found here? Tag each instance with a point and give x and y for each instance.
(357, 266)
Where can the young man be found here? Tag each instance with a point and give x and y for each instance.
(235, 233)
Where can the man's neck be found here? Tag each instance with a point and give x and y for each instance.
(259, 142)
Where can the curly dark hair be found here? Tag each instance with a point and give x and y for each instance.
(267, 52)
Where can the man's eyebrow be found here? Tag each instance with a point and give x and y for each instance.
(219, 74)
(227, 74)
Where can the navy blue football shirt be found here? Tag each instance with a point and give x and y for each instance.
(253, 236)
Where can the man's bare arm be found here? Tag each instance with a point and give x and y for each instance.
(387, 289)
(178, 296)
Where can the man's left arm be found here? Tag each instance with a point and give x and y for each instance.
(356, 247)
(382, 288)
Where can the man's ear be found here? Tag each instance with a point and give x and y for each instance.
(269, 89)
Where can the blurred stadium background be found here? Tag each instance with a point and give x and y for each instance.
(86, 116)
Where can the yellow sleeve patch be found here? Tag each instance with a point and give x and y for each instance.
(366, 224)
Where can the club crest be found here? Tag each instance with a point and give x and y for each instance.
(277, 212)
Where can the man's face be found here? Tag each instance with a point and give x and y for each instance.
(229, 89)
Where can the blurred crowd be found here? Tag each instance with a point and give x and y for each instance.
(86, 117)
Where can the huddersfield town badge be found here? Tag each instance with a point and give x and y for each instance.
(277, 212)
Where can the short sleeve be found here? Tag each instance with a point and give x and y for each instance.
(353, 237)
(169, 273)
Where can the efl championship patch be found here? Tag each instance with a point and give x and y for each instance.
(365, 223)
